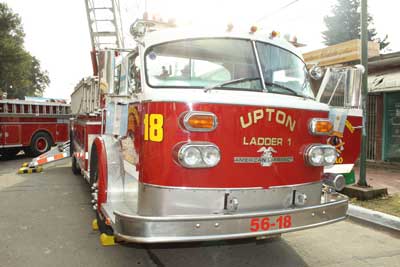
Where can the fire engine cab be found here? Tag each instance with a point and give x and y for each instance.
(205, 136)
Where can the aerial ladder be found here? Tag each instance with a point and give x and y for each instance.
(105, 28)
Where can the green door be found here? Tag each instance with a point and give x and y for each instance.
(391, 142)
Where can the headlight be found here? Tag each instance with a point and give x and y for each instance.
(211, 155)
(330, 156)
(316, 156)
(198, 155)
(321, 155)
(191, 156)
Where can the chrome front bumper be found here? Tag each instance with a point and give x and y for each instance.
(149, 229)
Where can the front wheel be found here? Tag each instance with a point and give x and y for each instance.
(94, 181)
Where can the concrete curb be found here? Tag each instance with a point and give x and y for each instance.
(375, 217)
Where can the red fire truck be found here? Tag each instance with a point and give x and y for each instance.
(32, 126)
(205, 136)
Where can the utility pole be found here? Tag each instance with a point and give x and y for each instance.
(364, 93)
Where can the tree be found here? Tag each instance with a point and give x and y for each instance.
(20, 72)
(344, 24)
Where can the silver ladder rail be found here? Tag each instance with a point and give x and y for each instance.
(105, 25)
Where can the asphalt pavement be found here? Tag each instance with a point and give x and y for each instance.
(45, 220)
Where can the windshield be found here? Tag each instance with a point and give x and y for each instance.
(203, 63)
(226, 64)
(283, 71)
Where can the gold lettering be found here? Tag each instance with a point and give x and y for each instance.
(280, 117)
(253, 141)
(258, 115)
(270, 111)
(263, 141)
(279, 142)
(245, 125)
(260, 141)
(244, 141)
(291, 123)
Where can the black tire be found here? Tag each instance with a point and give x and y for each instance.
(41, 143)
(75, 167)
(71, 144)
(103, 227)
(93, 175)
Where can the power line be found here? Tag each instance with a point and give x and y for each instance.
(277, 11)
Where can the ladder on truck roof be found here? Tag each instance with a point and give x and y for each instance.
(24, 108)
(105, 24)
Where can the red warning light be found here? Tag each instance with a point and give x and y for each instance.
(253, 29)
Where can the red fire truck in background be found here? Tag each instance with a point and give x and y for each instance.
(203, 136)
(32, 126)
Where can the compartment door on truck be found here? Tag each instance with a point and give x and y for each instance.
(12, 134)
(62, 130)
(2, 135)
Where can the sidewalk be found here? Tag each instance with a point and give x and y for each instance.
(378, 211)
(382, 176)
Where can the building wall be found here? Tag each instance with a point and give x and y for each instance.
(391, 127)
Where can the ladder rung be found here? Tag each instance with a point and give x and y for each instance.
(100, 8)
(107, 43)
(103, 20)
(105, 33)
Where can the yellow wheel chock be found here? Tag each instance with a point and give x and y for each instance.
(107, 240)
(95, 226)
(30, 170)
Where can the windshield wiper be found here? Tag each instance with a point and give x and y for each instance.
(283, 87)
(219, 85)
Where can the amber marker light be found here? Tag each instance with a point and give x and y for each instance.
(253, 29)
(321, 127)
(274, 34)
(199, 121)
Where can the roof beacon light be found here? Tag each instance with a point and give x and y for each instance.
(253, 29)
(274, 34)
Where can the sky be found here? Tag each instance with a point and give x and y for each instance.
(57, 32)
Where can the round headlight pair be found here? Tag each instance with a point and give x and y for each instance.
(321, 155)
(199, 155)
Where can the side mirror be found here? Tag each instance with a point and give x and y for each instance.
(316, 72)
(341, 87)
(106, 70)
(353, 86)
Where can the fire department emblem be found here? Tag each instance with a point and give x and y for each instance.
(266, 159)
